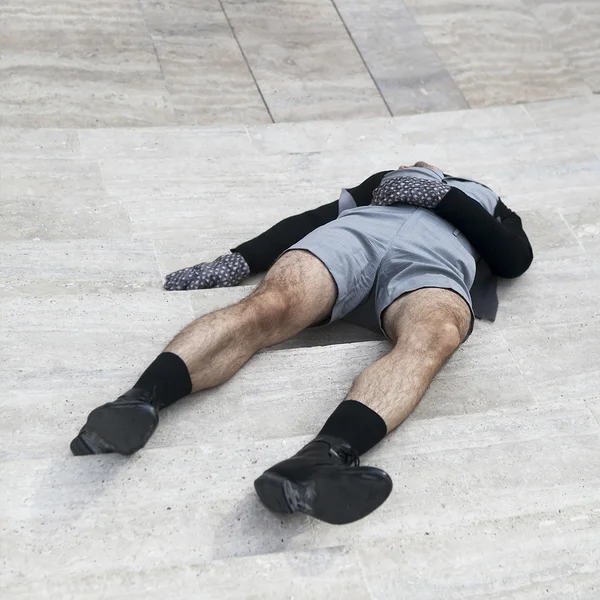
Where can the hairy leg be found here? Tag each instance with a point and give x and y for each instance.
(426, 326)
(324, 479)
(298, 291)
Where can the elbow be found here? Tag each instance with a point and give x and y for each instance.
(518, 266)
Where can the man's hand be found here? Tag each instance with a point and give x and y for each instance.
(226, 271)
(410, 190)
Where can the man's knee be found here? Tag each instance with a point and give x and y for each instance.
(297, 287)
(429, 317)
(268, 306)
(453, 320)
(431, 337)
(448, 335)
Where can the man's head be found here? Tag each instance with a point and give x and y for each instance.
(420, 164)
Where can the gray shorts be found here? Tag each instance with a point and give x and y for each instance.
(377, 253)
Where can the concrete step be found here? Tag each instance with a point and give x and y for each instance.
(568, 115)
(552, 554)
(176, 508)
(198, 192)
(318, 574)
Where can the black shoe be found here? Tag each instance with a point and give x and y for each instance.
(122, 426)
(324, 480)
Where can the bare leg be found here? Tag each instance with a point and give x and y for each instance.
(297, 292)
(324, 479)
(427, 326)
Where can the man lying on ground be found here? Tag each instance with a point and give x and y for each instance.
(412, 254)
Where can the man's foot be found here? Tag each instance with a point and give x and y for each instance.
(324, 480)
(122, 426)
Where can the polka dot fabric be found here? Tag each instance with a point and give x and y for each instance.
(226, 271)
(410, 190)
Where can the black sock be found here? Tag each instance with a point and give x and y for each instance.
(169, 376)
(356, 424)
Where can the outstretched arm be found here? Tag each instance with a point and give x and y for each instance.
(254, 256)
(258, 254)
(262, 251)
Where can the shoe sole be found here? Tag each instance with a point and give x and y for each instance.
(125, 429)
(334, 497)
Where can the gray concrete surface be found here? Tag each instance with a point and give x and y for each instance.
(497, 473)
(136, 63)
(136, 138)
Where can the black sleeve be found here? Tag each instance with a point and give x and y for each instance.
(502, 244)
(263, 250)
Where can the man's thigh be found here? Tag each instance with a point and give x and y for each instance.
(352, 247)
(301, 282)
(427, 307)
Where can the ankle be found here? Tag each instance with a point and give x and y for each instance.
(139, 394)
(356, 424)
(165, 381)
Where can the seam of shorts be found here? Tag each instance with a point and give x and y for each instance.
(418, 214)
(384, 254)
(350, 290)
